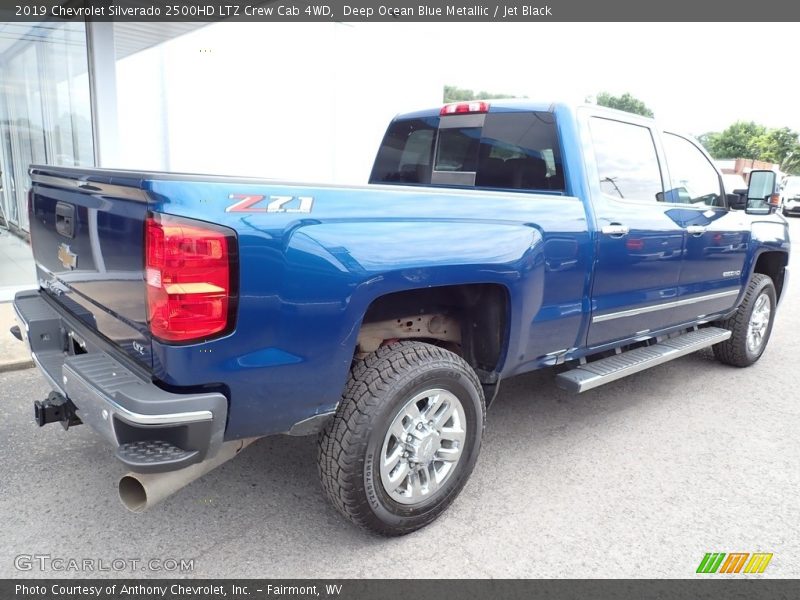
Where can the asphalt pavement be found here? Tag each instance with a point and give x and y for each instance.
(638, 478)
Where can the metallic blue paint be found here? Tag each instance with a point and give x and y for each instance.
(306, 280)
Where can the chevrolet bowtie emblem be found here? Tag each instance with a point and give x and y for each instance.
(67, 257)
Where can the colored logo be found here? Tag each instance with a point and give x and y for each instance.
(275, 204)
(67, 257)
(735, 562)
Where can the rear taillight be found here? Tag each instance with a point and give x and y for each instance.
(189, 274)
(464, 108)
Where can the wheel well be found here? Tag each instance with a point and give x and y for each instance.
(471, 320)
(773, 265)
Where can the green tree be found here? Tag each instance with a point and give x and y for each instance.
(453, 93)
(625, 102)
(737, 141)
(776, 144)
(746, 139)
(791, 164)
(705, 139)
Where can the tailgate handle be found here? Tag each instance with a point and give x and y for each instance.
(65, 219)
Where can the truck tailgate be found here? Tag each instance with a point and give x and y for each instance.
(87, 235)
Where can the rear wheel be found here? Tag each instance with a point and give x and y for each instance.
(404, 439)
(750, 326)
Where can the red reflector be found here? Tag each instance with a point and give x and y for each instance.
(188, 278)
(464, 108)
(634, 244)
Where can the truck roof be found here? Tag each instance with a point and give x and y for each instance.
(526, 104)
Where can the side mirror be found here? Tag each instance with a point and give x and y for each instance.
(761, 196)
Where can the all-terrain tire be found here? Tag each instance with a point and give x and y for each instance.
(352, 445)
(735, 350)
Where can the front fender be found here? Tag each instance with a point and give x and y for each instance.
(769, 234)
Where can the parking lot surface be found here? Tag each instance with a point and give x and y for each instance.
(638, 478)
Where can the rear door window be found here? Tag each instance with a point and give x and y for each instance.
(627, 162)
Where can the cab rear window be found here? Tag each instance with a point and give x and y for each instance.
(406, 153)
(508, 150)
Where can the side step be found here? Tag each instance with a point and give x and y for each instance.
(593, 374)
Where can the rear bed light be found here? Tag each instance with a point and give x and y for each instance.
(190, 275)
(464, 108)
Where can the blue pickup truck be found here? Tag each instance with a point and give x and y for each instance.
(183, 316)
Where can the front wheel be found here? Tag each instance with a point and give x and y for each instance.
(750, 325)
(404, 439)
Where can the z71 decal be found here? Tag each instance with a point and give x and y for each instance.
(252, 203)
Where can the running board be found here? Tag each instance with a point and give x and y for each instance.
(593, 374)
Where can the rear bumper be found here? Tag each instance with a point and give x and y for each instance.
(153, 430)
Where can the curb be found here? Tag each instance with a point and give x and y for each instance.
(14, 354)
(16, 365)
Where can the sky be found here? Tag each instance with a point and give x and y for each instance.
(699, 76)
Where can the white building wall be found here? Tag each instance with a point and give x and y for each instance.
(304, 102)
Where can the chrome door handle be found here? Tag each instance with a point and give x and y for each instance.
(696, 230)
(615, 229)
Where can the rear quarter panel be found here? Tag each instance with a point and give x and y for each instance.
(307, 279)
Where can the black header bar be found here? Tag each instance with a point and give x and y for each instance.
(363, 11)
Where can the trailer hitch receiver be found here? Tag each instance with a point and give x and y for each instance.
(55, 409)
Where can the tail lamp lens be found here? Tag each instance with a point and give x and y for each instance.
(189, 278)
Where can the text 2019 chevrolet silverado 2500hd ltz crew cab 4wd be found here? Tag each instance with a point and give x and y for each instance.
(181, 316)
